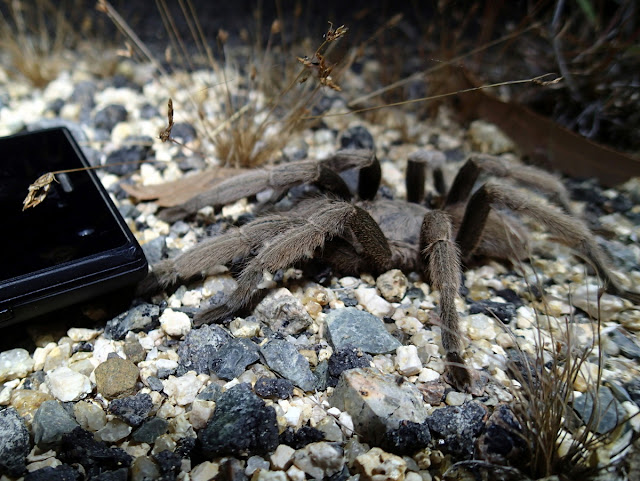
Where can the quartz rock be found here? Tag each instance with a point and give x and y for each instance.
(68, 385)
(15, 363)
(175, 323)
(376, 465)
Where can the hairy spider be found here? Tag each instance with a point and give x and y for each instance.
(376, 235)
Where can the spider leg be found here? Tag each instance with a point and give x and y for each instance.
(322, 219)
(570, 230)
(442, 264)
(525, 175)
(205, 257)
(279, 178)
(415, 177)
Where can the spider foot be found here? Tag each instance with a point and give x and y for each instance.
(213, 314)
(461, 377)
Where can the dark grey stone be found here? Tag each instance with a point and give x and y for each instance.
(505, 311)
(15, 443)
(198, 347)
(155, 384)
(233, 357)
(273, 388)
(350, 327)
(143, 317)
(121, 474)
(148, 111)
(408, 438)
(357, 137)
(211, 393)
(241, 425)
(456, 428)
(155, 250)
(133, 409)
(627, 345)
(343, 359)
(183, 132)
(602, 414)
(283, 357)
(50, 423)
(150, 430)
(63, 472)
(96, 457)
(125, 160)
(502, 441)
(109, 116)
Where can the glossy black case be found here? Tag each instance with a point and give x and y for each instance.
(73, 246)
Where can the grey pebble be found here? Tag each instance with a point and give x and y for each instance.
(50, 423)
(352, 327)
(455, 428)
(608, 412)
(109, 116)
(283, 357)
(198, 347)
(143, 317)
(132, 409)
(150, 430)
(233, 357)
(14, 447)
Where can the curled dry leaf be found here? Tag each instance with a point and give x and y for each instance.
(165, 134)
(38, 190)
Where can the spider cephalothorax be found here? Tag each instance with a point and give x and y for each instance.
(369, 235)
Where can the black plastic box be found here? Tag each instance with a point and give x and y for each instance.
(73, 246)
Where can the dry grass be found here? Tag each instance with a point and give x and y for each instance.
(559, 443)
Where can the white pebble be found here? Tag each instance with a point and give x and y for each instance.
(480, 327)
(175, 323)
(15, 363)
(79, 334)
(282, 457)
(457, 398)
(183, 389)
(407, 361)
(428, 375)
(68, 385)
(372, 302)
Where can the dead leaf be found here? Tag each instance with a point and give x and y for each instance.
(542, 140)
(177, 192)
(38, 190)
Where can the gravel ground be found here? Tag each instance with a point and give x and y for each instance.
(279, 394)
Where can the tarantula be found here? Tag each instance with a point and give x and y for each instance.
(376, 235)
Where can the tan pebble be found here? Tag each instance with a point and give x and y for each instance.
(27, 402)
(376, 464)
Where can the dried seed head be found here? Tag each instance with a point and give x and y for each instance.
(165, 134)
(38, 190)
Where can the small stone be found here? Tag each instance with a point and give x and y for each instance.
(14, 364)
(319, 460)
(284, 358)
(68, 385)
(198, 347)
(241, 423)
(109, 116)
(392, 285)
(355, 328)
(211, 392)
(175, 323)
(133, 409)
(407, 361)
(143, 317)
(90, 416)
(80, 447)
(373, 303)
(205, 471)
(200, 413)
(502, 441)
(505, 311)
(480, 327)
(255, 463)
(61, 472)
(134, 350)
(457, 427)
(330, 429)
(57, 357)
(79, 334)
(233, 357)
(273, 388)
(282, 457)
(113, 431)
(50, 422)
(14, 447)
(144, 468)
(605, 307)
(243, 328)
(150, 430)
(376, 402)
(608, 412)
(27, 402)
(407, 438)
(344, 359)
(183, 389)
(116, 377)
(283, 313)
(300, 438)
(184, 132)
(455, 398)
(376, 465)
